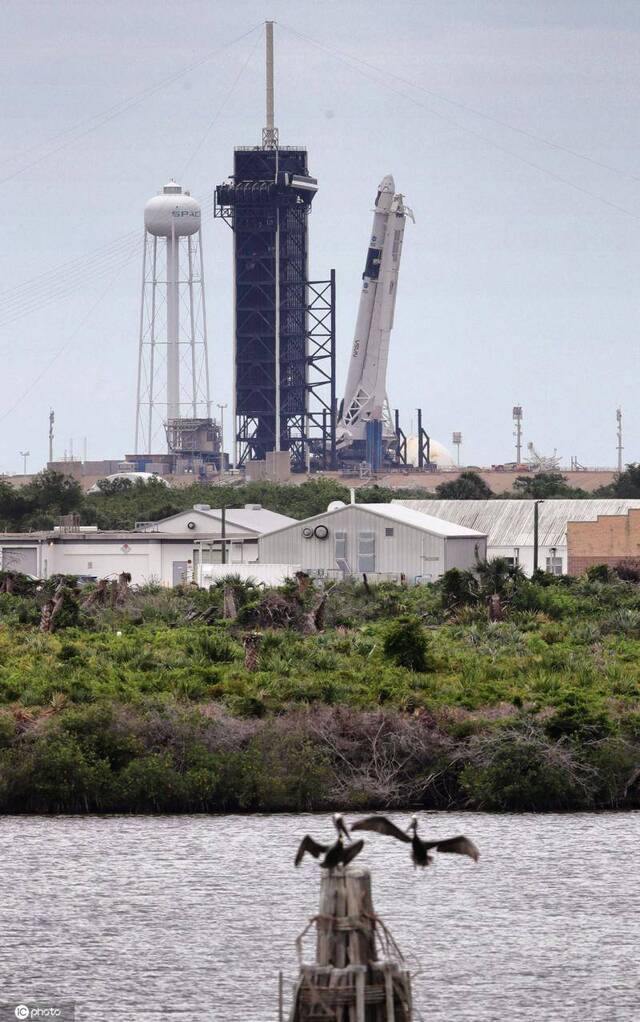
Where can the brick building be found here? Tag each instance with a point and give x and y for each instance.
(610, 539)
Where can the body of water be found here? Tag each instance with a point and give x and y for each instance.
(190, 917)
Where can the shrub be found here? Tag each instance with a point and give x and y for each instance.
(521, 771)
(406, 644)
(576, 718)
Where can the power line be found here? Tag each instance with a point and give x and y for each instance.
(62, 285)
(221, 107)
(88, 124)
(61, 350)
(470, 131)
(469, 109)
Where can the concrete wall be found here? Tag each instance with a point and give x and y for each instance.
(146, 560)
(267, 574)
(609, 540)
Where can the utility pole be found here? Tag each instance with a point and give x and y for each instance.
(24, 455)
(52, 419)
(517, 418)
(620, 447)
(536, 528)
(222, 408)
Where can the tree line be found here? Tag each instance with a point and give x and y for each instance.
(120, 503)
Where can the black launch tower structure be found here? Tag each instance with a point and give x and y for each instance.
(284, 345)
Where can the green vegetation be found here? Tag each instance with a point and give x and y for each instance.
(121, 503)
(468, 486)
(394, 696)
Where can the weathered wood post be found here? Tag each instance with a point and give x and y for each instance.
(348, 982)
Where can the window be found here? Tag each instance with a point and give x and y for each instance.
(341, 545)
(388, 532)
(554, 565)
(366, 552)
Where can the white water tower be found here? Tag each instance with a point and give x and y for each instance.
(173, 371)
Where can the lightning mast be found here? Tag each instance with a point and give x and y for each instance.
(284, 343)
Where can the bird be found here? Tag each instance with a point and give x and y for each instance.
(460, 845)
(337, 854)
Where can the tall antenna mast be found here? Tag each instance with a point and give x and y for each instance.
(270, 132)
(620, 447)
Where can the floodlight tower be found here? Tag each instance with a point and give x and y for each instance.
(173, 371)
(517, 433)
(620, 447)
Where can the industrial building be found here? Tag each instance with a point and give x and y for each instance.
(166, 552)
(382, 541)
(509, 525)
(611, 539)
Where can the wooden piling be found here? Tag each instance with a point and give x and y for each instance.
(348, 982)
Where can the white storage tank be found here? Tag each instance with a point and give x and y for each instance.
(172, 213)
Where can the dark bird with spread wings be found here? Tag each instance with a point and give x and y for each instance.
(419, 849)
(337, 854)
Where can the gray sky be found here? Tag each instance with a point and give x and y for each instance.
(519, 278)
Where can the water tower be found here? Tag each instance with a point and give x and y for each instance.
(173, 398)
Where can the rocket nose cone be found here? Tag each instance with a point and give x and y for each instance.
(387, 184)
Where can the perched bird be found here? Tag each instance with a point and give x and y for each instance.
(336, 854)
(419, 849)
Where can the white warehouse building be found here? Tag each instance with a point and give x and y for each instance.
(509, 524)
(382, 541)
(167, 552)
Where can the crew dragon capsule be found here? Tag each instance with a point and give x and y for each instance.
(365, 397)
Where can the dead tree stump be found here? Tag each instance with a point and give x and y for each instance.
(252, 643)
(349, 982)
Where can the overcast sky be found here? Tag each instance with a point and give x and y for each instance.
(519, 281)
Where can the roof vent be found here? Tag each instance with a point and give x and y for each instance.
(202, 507)
(253, 507)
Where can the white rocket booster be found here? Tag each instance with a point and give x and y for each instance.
(365, 395)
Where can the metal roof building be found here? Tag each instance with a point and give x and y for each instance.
(252, 519)
(508, 524)
(379, 540)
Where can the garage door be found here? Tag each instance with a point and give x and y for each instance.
(23, 559)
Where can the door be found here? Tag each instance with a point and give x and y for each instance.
(180, 572)
(22, 559)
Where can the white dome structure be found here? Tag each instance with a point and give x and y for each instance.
(173, 213)
(439, 454)
(133, 477)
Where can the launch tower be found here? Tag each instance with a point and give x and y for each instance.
(284, 345)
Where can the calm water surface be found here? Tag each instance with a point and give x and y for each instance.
(139, 918)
